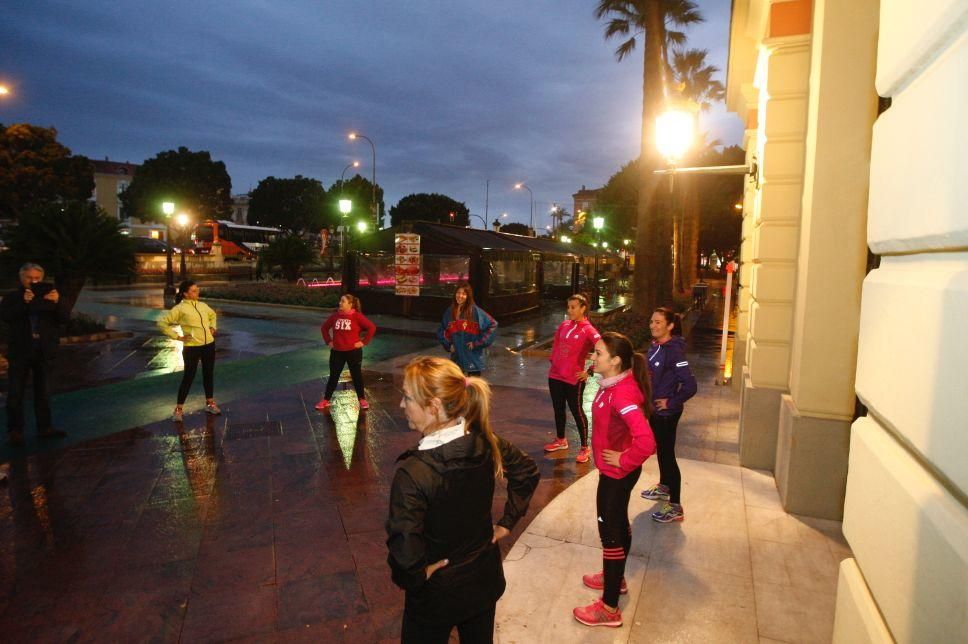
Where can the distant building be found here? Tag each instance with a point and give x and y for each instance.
(240, 209)
(111, 178)
(584, 202)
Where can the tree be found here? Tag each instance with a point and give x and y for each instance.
(73, 241)
(695, 81)
(290, 253)
(357, 189)
(618, 199)
(430, 207)
(296, 205)
(36, 169)
(192, 180)
(516, 229)
(654, 20)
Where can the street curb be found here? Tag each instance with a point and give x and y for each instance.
(96, 337)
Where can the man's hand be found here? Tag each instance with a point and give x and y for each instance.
(53, 296)
(499, 533)
(434, 567)
(28, 296)
(612, 457)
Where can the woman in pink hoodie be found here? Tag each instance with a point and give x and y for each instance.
(574, 340)
(346, 332)
(621, 441)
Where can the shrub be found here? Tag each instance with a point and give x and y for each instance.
(276, 293)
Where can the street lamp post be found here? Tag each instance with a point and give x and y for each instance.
(168, 208)
(373, 205)
(597, 223)
(345, 208)
(483, 221)
(182, 221)
(525, 186)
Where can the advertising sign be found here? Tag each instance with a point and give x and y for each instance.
(407, 263)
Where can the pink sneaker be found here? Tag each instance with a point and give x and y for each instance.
(557, 444)
(596, 581)
(595, 614)
(323, 405)
(583, 455)
(363, 404)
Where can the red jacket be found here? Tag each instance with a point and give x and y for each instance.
(343, 330)
(573, 342)
(619, 424)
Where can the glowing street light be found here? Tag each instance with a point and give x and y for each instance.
(182, 220)
(3, 90)
(626, 242)
(518, 186)
(346, 206)
(565, 239)
(598, 223)
(361, 226)
(674, 133)
(373, 206)
(168, 208)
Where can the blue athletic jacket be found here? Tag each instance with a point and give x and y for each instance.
(671, 376)
(478, 330)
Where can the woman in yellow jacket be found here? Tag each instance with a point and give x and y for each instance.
(196, 321)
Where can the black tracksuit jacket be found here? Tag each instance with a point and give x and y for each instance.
(440, 508)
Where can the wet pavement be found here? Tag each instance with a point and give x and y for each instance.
(263, 524)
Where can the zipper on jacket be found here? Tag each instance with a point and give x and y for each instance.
(202, 320)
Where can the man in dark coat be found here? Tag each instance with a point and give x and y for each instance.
(32, 313)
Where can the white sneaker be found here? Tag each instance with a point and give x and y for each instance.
(177, 416)
(212, 408)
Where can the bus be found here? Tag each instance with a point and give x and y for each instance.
(237, 241)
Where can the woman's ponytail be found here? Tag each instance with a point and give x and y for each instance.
(182, 289)
(478, 416)
(640, 370)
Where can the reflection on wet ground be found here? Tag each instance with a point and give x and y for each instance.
(268, 519)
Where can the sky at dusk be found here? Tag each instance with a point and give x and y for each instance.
(453, 93)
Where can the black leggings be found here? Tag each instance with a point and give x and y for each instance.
(338, 360)
(478, 629)
(191, 355)
(664, 429)
(614, 529)
(561, 394)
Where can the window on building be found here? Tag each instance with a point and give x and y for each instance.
(510, 276)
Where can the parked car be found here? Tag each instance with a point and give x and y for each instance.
(151, 246)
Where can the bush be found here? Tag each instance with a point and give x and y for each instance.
(276, 293)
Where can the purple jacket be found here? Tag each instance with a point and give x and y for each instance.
(671, 376)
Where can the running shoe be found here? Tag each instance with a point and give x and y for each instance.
(323, 405)
(363, 404)
(583, 455)
(657, 492)
(178, 416)
(595, 614)
(557, 444)
(668, 513)
(596, 581)
(212, 408)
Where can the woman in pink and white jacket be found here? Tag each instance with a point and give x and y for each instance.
(621, 441)
(574, 340)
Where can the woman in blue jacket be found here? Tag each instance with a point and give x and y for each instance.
(672, 385)
(466, 330)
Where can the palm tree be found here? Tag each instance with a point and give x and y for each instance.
(657, 22)
(694, 80)
(73, 241)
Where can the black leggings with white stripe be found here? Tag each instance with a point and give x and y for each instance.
(614, 529)
(563, 393)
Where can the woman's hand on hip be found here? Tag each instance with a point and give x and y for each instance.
(612, 457)
(434, 567)
(499, 533)
(661, 404)
(358, 345)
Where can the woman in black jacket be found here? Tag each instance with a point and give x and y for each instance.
(442, 542)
